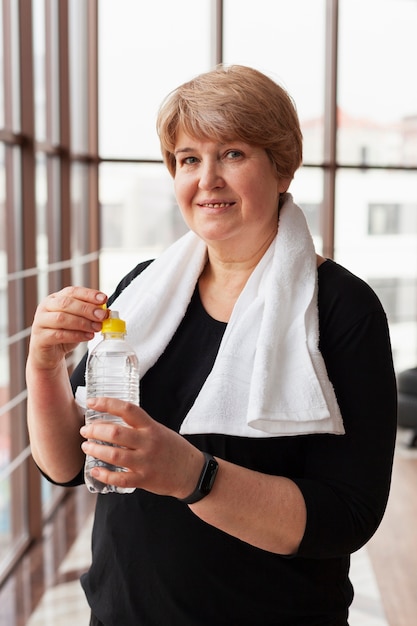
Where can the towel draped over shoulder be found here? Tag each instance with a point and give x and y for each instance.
(269, 377)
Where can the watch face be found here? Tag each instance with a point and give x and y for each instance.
(206, 480)
(209, 476)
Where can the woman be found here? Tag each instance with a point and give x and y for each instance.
(262, 451)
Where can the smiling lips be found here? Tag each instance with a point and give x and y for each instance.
(216, 205)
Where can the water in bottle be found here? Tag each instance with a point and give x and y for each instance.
(112, 371)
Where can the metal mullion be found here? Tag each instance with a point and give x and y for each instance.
(7, 136)
(48, 148)
(217, 32)
(92, 274)
(28, 153)
(330, 128)
(28, 195)
(92, 71)
(7, 66)
(65, 138)
(13, 410)
(53, 226)
(48, 72)
(52, 153)
(130, 160)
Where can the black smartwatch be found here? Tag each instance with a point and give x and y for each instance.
(205, 482)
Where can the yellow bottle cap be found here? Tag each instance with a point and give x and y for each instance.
(113, 324)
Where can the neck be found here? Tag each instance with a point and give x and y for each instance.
(225, 258)
(224, 278)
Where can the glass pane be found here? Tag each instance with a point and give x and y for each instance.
(48, 236)
(13, 156)
(5, 513)
(53, 212)
(1, 68)
(3, 237)
(139, 217)
(79, 223)
(38, 11)
(307, 191)
(41, 226)
(13, 511)
(5, 449)
(9, 67)
(5, 525)
(52, 70)
(19, 496)
(49, 494)
(13, 518)
(145, 51)
(376, 238)
(270, 39)
(78, 74)
(14, 62)
(46, 70)
(376, 90)
(4, 353)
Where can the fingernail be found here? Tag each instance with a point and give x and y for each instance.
(100, 297)
(100, 313)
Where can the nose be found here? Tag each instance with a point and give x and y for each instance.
(210, 176)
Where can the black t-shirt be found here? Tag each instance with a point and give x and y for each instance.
(155, 562)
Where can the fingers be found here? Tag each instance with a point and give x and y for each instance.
(118, 444)
(129, 434)
(110, 454)
(122, 479)
(80, 301)
(152, 453)
(157, 458)
(68, 317)
(73, 309)
(132, 414)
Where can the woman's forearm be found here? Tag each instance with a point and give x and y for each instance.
(54, 420)
(266, 511)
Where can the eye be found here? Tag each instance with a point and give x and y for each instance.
(189, 160)
(234, 154)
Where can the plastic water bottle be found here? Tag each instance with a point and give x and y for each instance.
(113, 372)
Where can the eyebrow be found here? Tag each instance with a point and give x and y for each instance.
(180, 150)
(187, 149)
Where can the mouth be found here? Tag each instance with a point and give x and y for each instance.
(216, 205)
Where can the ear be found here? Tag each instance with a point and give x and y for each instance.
(283, 184)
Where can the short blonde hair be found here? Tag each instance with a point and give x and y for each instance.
(229, 103)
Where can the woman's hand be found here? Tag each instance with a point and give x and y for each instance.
(156, 458)
(265, 511)
(62, 321)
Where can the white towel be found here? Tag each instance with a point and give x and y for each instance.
(269, 378)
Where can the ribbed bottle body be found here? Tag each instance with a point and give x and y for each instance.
(112, 372)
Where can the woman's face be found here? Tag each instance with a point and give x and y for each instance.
(228, 192)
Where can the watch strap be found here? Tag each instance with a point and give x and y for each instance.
(205, 481)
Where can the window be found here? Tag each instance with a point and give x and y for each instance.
(142, 58)
(376, 98)
(84, 195)
(285, 40)
(44, 243)
(358, 180)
